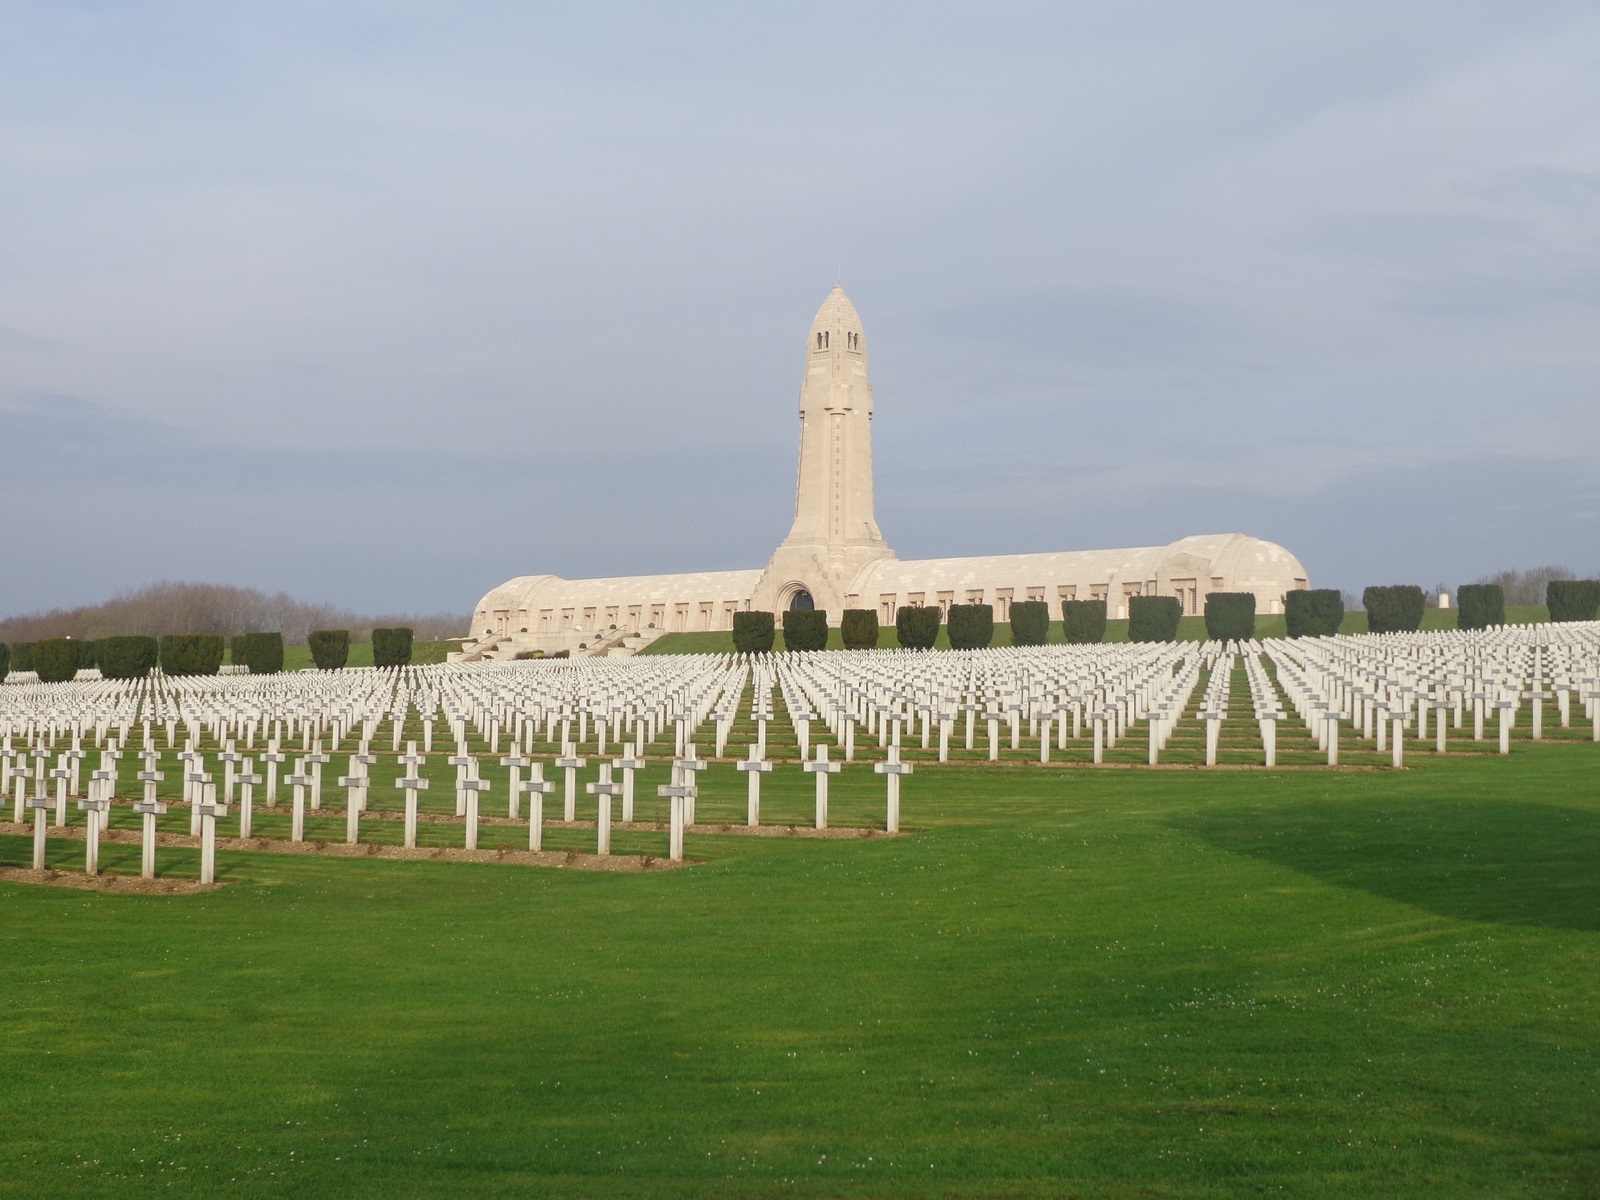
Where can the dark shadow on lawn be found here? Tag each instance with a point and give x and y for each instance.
(1475, 860)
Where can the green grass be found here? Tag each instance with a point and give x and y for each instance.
(298, 658)
(1115, 982)
(1190, 629)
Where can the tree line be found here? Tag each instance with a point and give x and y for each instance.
(210, 608)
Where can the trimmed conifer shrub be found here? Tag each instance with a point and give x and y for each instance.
(1480, 605)
(262, 653)
(1396, 609)
(971, 626)
(191, 653)
(1315, 613)
(88, 653)
(5, 661)
(1573, 599)
(1030, 622)
(1084, 621)
(130, 657)
(1231, 616)
(391, 647)
(55, 659)
(754, 632)
(916, 627)
(1153, 618)
(858, 628)
(805, 629)
(330, 648)
(22, 656)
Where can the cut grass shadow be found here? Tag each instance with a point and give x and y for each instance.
(1496, 861)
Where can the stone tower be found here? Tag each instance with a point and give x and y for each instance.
(834, 533)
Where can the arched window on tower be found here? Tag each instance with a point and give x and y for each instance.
(819, 341)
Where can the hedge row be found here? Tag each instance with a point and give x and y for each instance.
(191, 653)
(1231, 616)
(131, 657)
(1573, 599)
(859, 629)
(330, 648)
(917, 628)
(1153, 618)
(262, 653)
(1480, 605)
(391, 647)
(1315, 613)
(1395, 609)
(805, 629)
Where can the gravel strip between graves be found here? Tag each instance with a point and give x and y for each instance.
(544, 858)
(125, 884)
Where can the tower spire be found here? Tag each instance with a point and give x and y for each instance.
(835, 531)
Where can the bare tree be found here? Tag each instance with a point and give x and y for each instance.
(164, 608)
(1526, 587)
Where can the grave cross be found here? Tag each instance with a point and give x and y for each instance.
(822, 768)
(537, 788)
(754, 769)
(95, 807)
(272, 758)
(210, 810)
(571, 764)
(513, 763)
(604, 789)
(628, 764)
(61, 775)
(40, 804)
(411, 783)
(149, 809)
(893, 769)
(353, 786)
(471, 787)
(680, 794)
(246, 780)
(299, 781)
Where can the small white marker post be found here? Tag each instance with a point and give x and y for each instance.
(754, 768)
(571, 764)
(604, 789)
(628, 764)
(149, 808)
(1213, 722)
(822, 768)
(299, 781)
(892, 770)
(246, 780)
(61, 775)
(316, 758)
(537, 788)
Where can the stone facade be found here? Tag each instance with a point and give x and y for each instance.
(835, 557)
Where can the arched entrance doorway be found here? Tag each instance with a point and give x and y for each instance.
(801, 601)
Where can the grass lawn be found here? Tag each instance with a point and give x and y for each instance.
(1190, 629)
(1114, 982)
(298, 658)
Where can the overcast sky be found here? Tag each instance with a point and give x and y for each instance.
(384, 303)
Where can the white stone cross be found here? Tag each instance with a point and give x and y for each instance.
(41, 804)
(628, 764)
(210, 810)
(272, 758)
(822, 768)
(571, 764)
(96, 807)
(513, 763)
(471, 787)
(691, 766)
(62, 775)
(537, 788)
(149, 808)
(892, 770)
(316, 758)
(411, 783)
(299, 781)
(353, 785)
(680, 794)
(246, 780)
(604, 789)
(754, 769)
